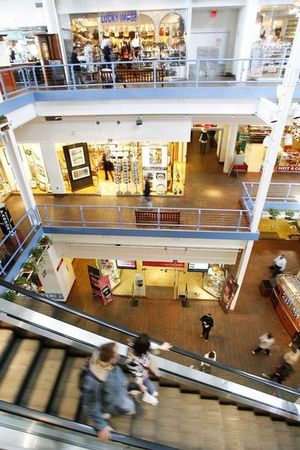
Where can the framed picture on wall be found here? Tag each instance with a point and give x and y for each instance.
(77, 156)
(83, 172)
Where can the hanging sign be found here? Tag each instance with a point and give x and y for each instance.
(6, 222)
(228, 293)
(119, 17)
(105, 289)
(94, 276)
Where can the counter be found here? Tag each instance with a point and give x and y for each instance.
(286, 301)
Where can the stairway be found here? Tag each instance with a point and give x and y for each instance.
(43, 375)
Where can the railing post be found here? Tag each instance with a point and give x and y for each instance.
(113, 74)
(47, 215)
(154, 74)
(158, 218)
(120, 215)
(197, 72)
(199, 220)
(288, 192)
(35, 78)
(24, 78)
(81, 215)
(240, 220)
(73, 77)
(4, 93)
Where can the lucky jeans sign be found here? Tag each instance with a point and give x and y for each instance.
(119, 17)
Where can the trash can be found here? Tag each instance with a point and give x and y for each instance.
(184, 301)
(266, 288)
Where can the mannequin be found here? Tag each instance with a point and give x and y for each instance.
(203, 141)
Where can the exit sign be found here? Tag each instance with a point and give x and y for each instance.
(213, 13)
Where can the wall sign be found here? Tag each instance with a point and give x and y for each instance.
(177, 264)
(94, 276)
(287, 168)
(228, 293)
(119, 17)
(78, 165)
(105, 289)
(6, 222)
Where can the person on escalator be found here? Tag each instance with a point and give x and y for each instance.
(104, 390)
(141, 366)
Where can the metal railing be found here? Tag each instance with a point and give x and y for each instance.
(125, 217)
(13, 244)
(145, 73)
(288, 193)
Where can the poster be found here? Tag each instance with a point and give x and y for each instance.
(78, 165)
(94, 276)
(105, 289)
(80, 173)
(228, 293)
(77, 156)
(6, 222)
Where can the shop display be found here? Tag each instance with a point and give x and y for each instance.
(118, 174)
(37, 170)
(126, 174)
(109, 267)
(135, 174)
(78, 165)
(214, 280)
(286, 299)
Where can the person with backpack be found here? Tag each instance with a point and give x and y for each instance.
(104, 390)
(207, 323)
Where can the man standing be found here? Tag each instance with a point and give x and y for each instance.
(279, 265)
(104, 390)
(207, 323)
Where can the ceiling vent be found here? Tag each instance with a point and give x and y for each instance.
(39, 5)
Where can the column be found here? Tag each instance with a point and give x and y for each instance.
(244, 38)
(231, 142)
(53, 26)
(18, 169)
(52, 165)
(242, 270)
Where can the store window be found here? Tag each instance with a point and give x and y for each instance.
(171, 36)
(36, 170)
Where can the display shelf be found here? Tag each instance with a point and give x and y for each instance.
(287, 292)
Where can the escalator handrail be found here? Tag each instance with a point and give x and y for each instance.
(49, 419)
(127, 331)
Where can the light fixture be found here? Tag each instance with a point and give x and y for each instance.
(267, 141)
(273, 117)
(139, 122)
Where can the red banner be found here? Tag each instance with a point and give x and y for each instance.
(287, 168)
(105, 288)
(177, 264)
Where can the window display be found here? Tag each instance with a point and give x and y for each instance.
(286, 299)
(214, 280)
(36, 168)
(109, 267)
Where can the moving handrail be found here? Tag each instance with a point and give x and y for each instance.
(128, 332)
(79, 427)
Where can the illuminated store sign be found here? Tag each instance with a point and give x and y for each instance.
(119, 17)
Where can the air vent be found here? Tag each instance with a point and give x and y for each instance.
(39, 5)
(53, 118)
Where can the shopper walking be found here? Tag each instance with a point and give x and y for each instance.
(108, 167)
(104, 390)
(285, 366)
(207, 323)
(76, 67)
(279, 265)
(147, 192)
(203, 141)
(266, 341)
(206, 367)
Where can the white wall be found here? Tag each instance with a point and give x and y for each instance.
(21, 13)
(54, 173)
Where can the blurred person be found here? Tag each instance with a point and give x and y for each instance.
(76, 66)
(207, 323)
(104, 390)
(206, 367)
(279, 265)
(266, 341)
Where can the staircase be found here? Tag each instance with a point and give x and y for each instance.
(41, 374)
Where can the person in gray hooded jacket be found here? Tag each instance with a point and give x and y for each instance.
(104, 390)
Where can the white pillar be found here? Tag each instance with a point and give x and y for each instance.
(222, 151)
(242, 270)
(53, 26)
(244, 38)
(291, 77)
(52, 165)
(4, 56)
(18, 169)
(231, 142)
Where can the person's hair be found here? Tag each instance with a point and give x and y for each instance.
(107, 351)
(211, 354)
(270, 335)
(141, 344)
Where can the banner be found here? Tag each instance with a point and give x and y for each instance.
(228, 293)
(179, 265)
(105, 288)
(94, 276)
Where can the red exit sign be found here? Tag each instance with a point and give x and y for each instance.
(213, 13)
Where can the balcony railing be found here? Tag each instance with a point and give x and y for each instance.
(288, 193)
(129, 217)
(14, 243)
(142, 73)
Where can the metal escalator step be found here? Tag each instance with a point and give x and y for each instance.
(38, 393)
(5, 339)
(68, 393)
(18, 368)
(286, 439)
(249, 430)
(122, 424)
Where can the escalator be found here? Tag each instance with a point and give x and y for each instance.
(40, 360)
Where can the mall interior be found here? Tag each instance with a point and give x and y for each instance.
(198, 102)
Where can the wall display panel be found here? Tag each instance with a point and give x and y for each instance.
(78, 165)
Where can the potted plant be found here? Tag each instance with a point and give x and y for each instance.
(30, 266)
(22, 281)
(10, 295)
(274, 213)
(3, 118)
(37, 252)
(45, 240)
(289, 215)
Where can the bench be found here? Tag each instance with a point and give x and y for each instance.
(145, 216)
(132, 76)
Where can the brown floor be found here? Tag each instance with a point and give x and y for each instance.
(235, 334)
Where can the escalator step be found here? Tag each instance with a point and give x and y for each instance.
(5, 339)
(38, 393)
(17, 370)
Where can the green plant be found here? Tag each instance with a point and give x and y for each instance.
(30, 266)
(37, 252)
(274, 213)
(3, 118)
(46, 240)
(289, 214)
(21, 281)
(10, 295)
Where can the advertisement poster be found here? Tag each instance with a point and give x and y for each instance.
(77, 156)
(228, 293)
(94, 276)
(105, 288)
(6, 222)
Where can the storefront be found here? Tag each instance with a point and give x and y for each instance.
(22, 45)
(129, 35)
(165, 279)
(275, 32)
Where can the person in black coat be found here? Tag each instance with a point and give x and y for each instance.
(207, 323)
(108, 168)
(76, 68)
(147, 188)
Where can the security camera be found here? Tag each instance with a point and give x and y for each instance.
(118, 122)
(97, 122)
(139, 122)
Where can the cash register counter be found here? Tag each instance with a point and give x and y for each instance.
(286, 301)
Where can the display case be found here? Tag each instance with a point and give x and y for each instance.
(286, 299)
(109, 267)
(214, 280)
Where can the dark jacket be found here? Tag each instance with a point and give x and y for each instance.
(75, 60)
(207, 321)
(147, 188)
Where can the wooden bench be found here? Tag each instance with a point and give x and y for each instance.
(124, 76)
(145, 216)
